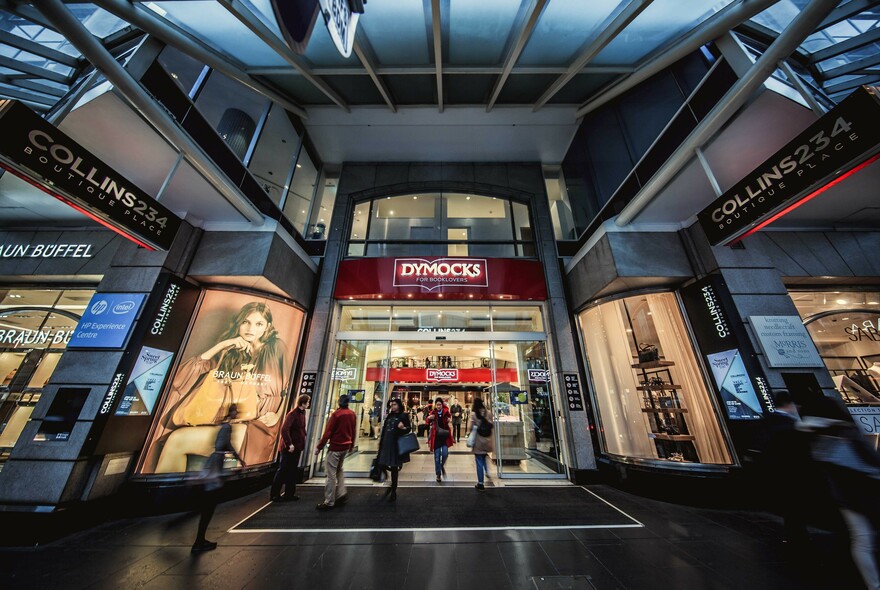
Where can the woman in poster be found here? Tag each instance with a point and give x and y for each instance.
(248, 367)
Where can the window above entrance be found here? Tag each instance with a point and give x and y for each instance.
(442, 224)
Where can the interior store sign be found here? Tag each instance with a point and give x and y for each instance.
(439, 375)
(42, 155)
(46, 251)
(785, 341)
(841, 142)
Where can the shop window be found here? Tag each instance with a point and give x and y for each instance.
(183, 69)
(35, 327)
(441, 319)
(441, 224)
(845, 327)
(319, 221)
(272, 162)
(361, 319)
(302, 191)
(650, 392)
(232, 110)
(240, 350)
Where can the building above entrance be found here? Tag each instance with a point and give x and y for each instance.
(447, 278)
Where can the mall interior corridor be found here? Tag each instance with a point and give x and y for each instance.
(633, 542)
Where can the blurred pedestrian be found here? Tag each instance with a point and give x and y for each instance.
(291, 445)
(456, 410)
(852, 469)
(339, 433)
(440, 436)
(480, 435)
(396, 424)
(783, 455)
(212, 479)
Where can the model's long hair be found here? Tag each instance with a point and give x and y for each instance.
(234, 358)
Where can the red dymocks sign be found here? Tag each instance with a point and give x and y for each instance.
(433, 278)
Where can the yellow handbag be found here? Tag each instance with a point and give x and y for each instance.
(210, 403)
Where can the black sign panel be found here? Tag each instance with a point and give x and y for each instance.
(727, 351)
(40, 153)
(126, 413)
(573, 395)
(845, 137)
(307, 384)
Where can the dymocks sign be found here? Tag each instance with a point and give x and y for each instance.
(433, 274)
(39, 153)
(840, 143)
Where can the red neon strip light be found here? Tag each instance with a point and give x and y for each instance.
(69, 203)
(797, 204)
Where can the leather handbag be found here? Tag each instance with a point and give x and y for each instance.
(648, 353)
(407, 443)
(442, 434)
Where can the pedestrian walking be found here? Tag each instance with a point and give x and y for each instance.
(481, 426)
(291, 446)
(440, 436)
(396, 425)
(212, 479)
(339, 438)
(457, 411)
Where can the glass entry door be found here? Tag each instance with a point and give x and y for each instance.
(526, 438)
(359, 370)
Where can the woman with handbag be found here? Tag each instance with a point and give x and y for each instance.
(247, 366)
(396, 425)
(481, 438)
(440, 437)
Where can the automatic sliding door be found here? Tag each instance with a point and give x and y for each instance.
(526, 441)
(360, 371)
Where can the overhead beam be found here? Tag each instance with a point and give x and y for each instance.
(429, 70)
(438, 50)
(149, 22)
(872, 36)
(250, 20)
(799, 29)
(536, 7)
(32, 70)
(710, 29)
(364, 53)
(29, 84)
(38, 49)
(43, 101)
(609, 29)
(91, 48)
(854, 67)
(846, 11)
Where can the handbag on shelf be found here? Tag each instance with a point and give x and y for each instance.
(407, 443)
(648, 353)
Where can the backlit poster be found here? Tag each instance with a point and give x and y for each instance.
(145, 382)
(239, 351)
(734, 384)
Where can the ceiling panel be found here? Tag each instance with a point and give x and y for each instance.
(397, 32)
(564, 28)
(479, 31)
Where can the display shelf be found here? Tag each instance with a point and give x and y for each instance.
(666, 416)
(653, 365)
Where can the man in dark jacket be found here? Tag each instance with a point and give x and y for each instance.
(291, 446)
(339, 433)
(456, 410)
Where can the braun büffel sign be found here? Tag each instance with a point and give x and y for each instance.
(41, 154)
(845, 137)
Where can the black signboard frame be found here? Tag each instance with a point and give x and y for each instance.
(842, 141)
(42, 155)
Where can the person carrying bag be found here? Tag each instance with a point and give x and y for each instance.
(481, 439)
(394, 430)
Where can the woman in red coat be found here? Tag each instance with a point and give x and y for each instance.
(440, 437)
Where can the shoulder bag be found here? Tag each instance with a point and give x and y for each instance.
(407, 443)
(472, 438)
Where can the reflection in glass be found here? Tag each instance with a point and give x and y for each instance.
(302, 190)
(273, 155)
(232, 110)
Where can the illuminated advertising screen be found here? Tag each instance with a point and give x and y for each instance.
(239, 352)
(145, 382)
(737, 393)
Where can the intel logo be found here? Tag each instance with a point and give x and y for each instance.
(124, 307)
(99, 307)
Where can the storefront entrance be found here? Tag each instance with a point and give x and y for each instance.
(510, 374)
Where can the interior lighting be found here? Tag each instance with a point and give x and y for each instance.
(299, 165)
(840, 302)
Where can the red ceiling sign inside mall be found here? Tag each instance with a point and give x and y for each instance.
(436, 278)
(441, 375)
